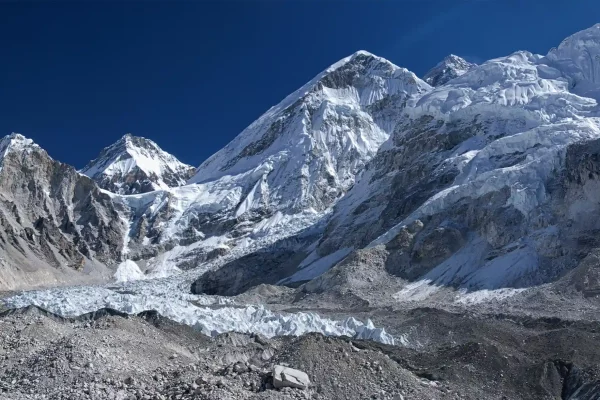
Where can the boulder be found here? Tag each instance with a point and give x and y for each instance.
(289, 377)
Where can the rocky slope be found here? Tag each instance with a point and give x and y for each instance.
(57, 225)
(136, 165)
(454, 356)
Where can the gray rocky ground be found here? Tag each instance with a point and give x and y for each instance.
(440, 354)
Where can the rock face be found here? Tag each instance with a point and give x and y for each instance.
(136, 165)
(289, 377)
(449, 68)
(57, 226)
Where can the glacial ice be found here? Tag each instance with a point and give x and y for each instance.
(210, 314)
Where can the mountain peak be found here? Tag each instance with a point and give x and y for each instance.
(18, 138)
(134, 164)
(363, 58)
(15, 141)
(452, 66)
(362, 53)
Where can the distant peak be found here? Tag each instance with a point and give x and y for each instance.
(130, 141)
(363, 53)
(17, 138)
(128, 138)
(16, 142)
(452, 66)
(134, 164)
(454, 58)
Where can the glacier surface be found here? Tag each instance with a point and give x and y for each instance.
(209, 314)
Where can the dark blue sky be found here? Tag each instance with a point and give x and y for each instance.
(76, 76)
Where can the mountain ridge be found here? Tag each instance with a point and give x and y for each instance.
(359, 154)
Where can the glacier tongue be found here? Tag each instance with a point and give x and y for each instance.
(211, 315)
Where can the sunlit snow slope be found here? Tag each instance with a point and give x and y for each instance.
(136, 165)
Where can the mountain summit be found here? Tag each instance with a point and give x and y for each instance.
(135, 165)
(310, 146)
(449, 68)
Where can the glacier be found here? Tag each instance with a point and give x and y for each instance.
(211, 315)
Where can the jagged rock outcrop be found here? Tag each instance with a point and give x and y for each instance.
(56, 225)
(136, 165)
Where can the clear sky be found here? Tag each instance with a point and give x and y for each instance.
(192, 75)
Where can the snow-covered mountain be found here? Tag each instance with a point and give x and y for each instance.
(310, 146)
(284, 172)
(136, 165)
(449, 68)
(578, 57)
(485, 181)
(488, 183)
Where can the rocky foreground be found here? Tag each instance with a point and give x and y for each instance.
(109, 355)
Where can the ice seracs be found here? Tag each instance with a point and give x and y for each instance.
(165, 298)
(578, 57)
(136, 165)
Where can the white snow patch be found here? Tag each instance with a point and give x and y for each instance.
(485, 295)
(128, 271)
